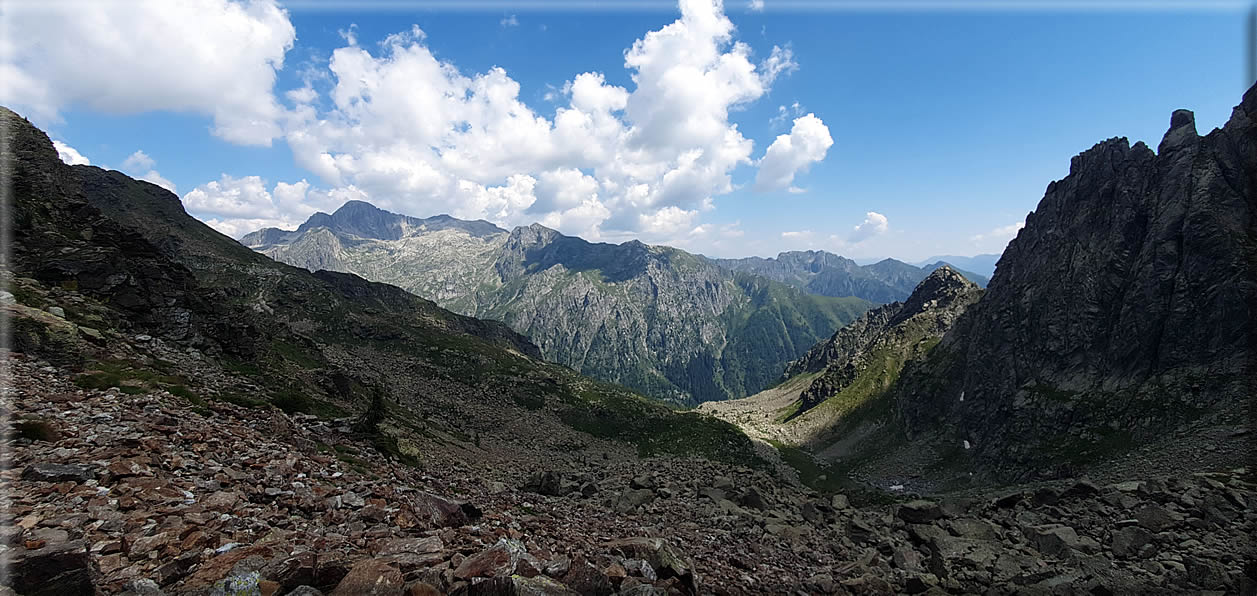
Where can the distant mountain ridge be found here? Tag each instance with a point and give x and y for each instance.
(983, 264)
(654, 318)
(828, 274)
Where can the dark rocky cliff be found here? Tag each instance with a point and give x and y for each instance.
(1121, 312)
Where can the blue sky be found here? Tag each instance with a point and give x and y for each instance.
(930, 132)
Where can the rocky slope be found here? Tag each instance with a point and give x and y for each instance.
(835, 393)
(653, 318)
(144, 493)
(828, 274)
(1121, 315)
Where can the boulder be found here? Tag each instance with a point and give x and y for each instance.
(1129, 540)
(548, 483)
(64, 568)
(45, 472)
(631, 499)
(440, 512)
(505, 558)
(370, 577)
(753, 498)
(1057, 540)
(666, 561)
(920, 512)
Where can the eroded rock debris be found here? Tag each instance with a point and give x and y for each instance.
(149, 494)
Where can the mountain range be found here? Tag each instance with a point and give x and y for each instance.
(983, 264)
(657, 319)
(828, 274)
(653, 318)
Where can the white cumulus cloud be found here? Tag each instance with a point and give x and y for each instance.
(807, 143)
(423, 136)
(874, 224)
(1000, 234)
(141, 166)
(70, 155)
(237, 206)
(212, 57)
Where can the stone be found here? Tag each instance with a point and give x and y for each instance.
(504, 558)
(439, 512)
(412, 553)
(665, 560)
(420, 588)
(920, 512)
(558, 566)
(305, 591)
(548, 483)
(839, 502)
(1127, 541)
(630, 500)
(639, 482)
(64, 568)
(1157, 518)
(584, 578)
(1054, 539)
(352, 500)
(369, 577)
(753, 498)
(45, 472)
(142, 587)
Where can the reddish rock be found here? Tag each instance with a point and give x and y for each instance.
(371, 578)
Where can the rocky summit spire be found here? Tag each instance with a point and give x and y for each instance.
(939, 289)
(1182, 131)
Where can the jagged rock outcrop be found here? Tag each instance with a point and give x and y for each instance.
(653, 318)
(828, 274)
(829, 392)
(894, 332)
(1122, 313)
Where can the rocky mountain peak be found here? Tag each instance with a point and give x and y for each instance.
(1182, 131)
(939, 288)
(1122, 304)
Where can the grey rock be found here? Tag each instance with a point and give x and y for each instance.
(920, 512)
(45, 472)
(1128, 541)
(632, 499)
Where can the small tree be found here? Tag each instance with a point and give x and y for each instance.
(377, 410)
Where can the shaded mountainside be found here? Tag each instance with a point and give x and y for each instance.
(652, 318)
(828, 274)
(839, 384)
(99, 259)
(1121, 315)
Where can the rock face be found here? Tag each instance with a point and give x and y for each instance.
(828, 274)
(1123, 310)
(656, 319)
